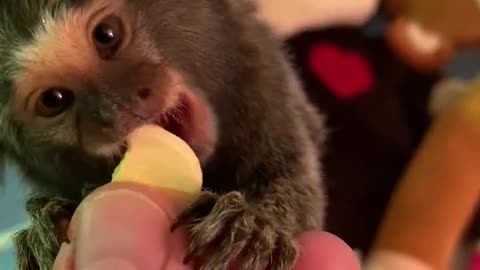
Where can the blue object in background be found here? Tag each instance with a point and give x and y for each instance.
(466, 65)
(12, 215)
(7, 258)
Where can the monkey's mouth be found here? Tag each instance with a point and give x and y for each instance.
(190, 120)
(178, 119)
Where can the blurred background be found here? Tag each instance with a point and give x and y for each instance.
(12, 200)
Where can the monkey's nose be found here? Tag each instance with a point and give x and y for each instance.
(97, 110)
(144, 93)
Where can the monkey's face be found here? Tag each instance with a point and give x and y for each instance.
(78, 76)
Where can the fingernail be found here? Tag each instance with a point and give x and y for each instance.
(121, 230)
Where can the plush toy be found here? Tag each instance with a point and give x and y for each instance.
(439, 194)
(376, 118)
(289, 17)
(427, 33)
(442, 95)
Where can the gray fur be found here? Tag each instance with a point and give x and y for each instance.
(18, 21)
(264, 172)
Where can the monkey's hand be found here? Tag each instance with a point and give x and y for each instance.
(37, 245)
(238, 233)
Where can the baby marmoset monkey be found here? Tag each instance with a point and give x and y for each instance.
(78, 75)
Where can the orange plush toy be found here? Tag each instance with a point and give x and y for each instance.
(427, 33)
(438, 195)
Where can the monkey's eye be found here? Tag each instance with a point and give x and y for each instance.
(54, 102)
(108, 35)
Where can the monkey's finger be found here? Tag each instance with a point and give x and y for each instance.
(126, 226)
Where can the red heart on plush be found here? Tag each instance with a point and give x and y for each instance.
(346, 74)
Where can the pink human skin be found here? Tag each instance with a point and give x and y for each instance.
(127, 227)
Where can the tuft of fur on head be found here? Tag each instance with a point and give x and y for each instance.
(19, 20)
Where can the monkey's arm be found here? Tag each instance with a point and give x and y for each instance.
(276, 199)
(38, 244)
(260, 230)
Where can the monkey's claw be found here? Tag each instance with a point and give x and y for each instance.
(198, 209)
(224, 230)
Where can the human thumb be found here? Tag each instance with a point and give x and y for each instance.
(125, 226)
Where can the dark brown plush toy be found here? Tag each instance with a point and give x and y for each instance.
(377, 108)
(376, 113)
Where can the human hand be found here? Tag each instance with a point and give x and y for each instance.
(126, 226)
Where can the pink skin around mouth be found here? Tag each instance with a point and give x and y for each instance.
(190, 120)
